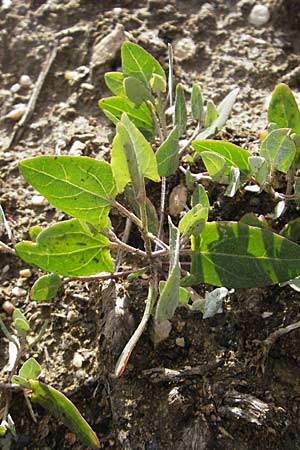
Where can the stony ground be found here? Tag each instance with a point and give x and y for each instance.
(217, 398)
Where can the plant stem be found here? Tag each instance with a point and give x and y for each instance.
(7, 333)
(107, 276)
(6, 249)
(125, 212)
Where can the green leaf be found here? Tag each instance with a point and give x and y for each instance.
(114, 82)
(200, 196)
(283, 109)
(17, 314)
(292, 230)
(45, 287)
(183, 293)
(254, 221)
(114, 107)
(167, 155)
(80, 186)
(132, 156)
(136, 91)
(215, 164)
(236, 255)
(138, 63)
(234, 182)
(30, 369)
(279, 150)
(180, 110)
(68, 248)
(224, 110)
(16, 379)
(197, 103)
(158, 84)
(233, 155)
(63, 409)
(22, 326)
(34, 232)
(193, 221)
(211, 114)
(260, 169)
(169, 297)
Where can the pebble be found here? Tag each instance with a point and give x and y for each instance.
(5, 268)
(77, 148)
(87, 86)
(8, 307)
(184, 49)
(17, 112)
(107, 48)
(71, 316)
(266, 314)
(78, 360)
(15, 88)
(259, 15)
(25, 273)
(6, 4)
(18, 292)
(25, 81)
(180, 342)
(38, 200)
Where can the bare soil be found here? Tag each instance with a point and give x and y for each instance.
(215, 392)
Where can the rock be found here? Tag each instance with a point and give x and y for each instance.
(38, 200)
(18, 292)
(78, 360)
(77, 148)
(8, 307)
(17, 112)
(180, 342)
(25, 81)
(259, 15)
(184, 49)
(25, 273)
(107, 48)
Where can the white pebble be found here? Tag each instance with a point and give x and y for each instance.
(5, 269)
(17, 112)
(266, 314)
(259, 15)
(25, 273)
(38, 200)
(15, 88)
(18, 292)
(77, 148)
(180, 342)
(78, 360)
(25, 81)
(87, 86)
(6, 4)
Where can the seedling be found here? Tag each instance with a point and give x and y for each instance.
(153, 134)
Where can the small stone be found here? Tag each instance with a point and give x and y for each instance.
(15, 88)
(8, 307)
(71, 316)
(17, 112)
(107, 48)
(266, 314)
(25, 273)
(259, 15)
(38, 200)
(78, 360)
(180, 342)
(87, 86)
(80, 373)
(25, 81)
(18, 292)
(77, 148)
(6, 4)
(184, 49)
(5, 269)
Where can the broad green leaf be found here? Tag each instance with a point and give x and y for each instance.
(193, 221)
(236, 255)
(233, 155)
(45, 287)
(183, 293)
(136, 91)
(197, 103)
(296, 187)
(234, 182)
(114, 82)
(158, 84)
(21, 326)
(138, 63)
(292, 230)
(30, 369)
(169, 297)
(17, 314)
(180, 110)
(134, 152)
(200, 196)
(279, 150)
(63, 409)
(296, 138)
(211, 114)
(68, 248)
(224, 110)
(167, 155)
(283, 109)
(114, 107)
(16, 379)
(215, 164)
(80, 186)
(260, 169)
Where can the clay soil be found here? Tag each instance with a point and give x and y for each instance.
(213, 391)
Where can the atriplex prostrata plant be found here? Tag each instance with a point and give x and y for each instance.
(149, 144)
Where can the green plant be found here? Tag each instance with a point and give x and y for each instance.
(149, 144)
